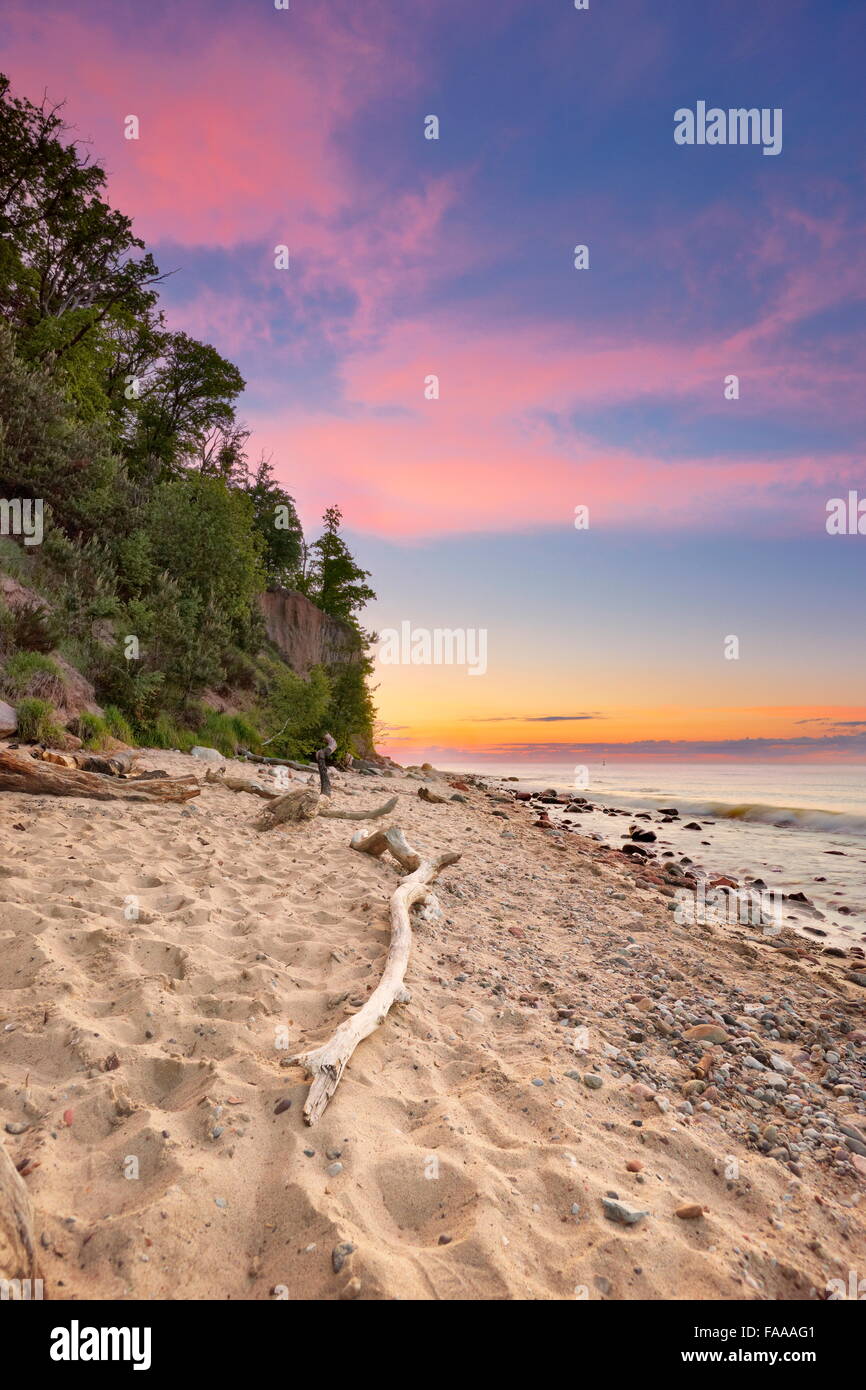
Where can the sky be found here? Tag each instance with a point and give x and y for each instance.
(595, 395)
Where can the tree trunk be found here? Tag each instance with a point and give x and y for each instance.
(19, 774)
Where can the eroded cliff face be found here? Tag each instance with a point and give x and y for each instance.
(304, 635)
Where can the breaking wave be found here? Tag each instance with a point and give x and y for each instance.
(753, 812)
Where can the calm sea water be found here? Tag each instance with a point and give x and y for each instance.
(792, 825)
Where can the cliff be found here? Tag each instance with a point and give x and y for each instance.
(303, 634)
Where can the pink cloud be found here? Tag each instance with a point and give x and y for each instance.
(425, 474)
(234, 145)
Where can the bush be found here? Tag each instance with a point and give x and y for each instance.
(294, 713)
(93, 731)
(248, 735)
(31, 673)
(29, 628)
(118, 725)
(34, 629)
(228, 733)
(162, 732)
(36, 723)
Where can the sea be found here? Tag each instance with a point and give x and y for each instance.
(799, 827)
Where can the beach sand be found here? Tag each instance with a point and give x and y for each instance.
(474, 1155)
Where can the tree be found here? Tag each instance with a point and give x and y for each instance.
(277, 522)
(202, 533)
(67, 260)
(188, 401)
(335, 582)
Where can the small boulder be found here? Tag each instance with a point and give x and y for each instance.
(207, 755)
(8, 720)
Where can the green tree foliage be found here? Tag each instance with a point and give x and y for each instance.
(335, 582)
(155, 525)
(277, 523)
(186, 404)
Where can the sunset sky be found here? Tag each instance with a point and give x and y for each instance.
(559, 387)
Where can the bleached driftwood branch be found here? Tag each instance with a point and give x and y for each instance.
(326, 1064)
(374, 814)
(241, 784)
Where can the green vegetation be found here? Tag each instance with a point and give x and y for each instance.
(159, 532)
(36, 723)
(31, 673)
(93, 731)
(118, 725)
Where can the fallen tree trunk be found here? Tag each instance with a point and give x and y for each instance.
(45, 779)
(17, 1249)
(110, 764)
(326, 1064)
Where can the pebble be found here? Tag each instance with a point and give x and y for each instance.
(689, 1212)
(621, 1212)
(593, 1081)
(334, 1169)
(340, 1254)
(707, 1032)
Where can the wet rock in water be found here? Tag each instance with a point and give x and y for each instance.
(621, 1212)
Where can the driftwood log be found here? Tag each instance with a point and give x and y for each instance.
(304, 803)
(19, 774)
(433, 797)
(327, 1063)
(301, 803)
(17, 1249)
(110, 764)
(275, 762)
(241, 784)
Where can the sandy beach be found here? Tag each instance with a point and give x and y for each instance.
(494, 1139)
